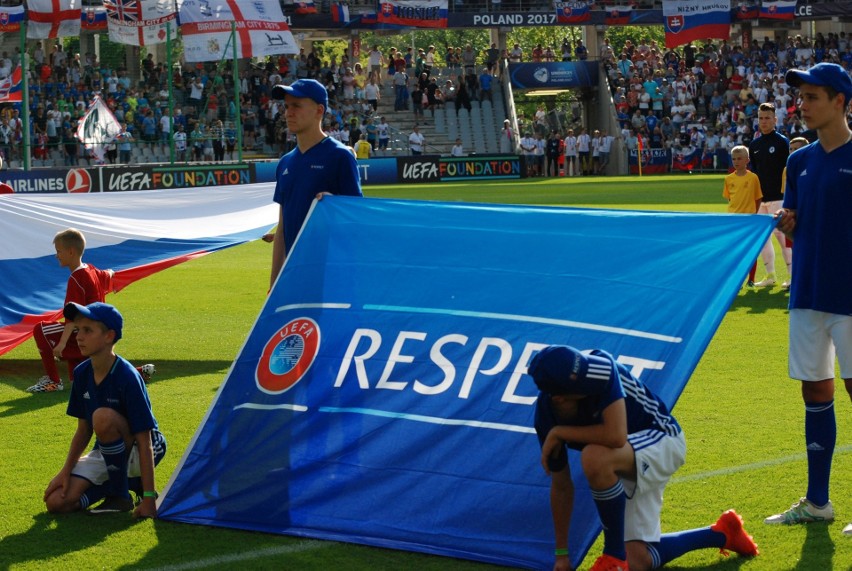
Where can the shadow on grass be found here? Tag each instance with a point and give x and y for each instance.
(761, 300)
(54, 536)
(817, 550)
(20, 374)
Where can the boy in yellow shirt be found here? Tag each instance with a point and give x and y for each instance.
(742, 190)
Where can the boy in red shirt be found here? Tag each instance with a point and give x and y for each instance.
(86, 284)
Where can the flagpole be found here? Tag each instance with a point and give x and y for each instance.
(170, 74)
(25, 96)
(237, 122)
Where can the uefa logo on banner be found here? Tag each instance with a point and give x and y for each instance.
(288, 355)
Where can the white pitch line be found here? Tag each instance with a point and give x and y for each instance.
(749, 467)
(248, 555)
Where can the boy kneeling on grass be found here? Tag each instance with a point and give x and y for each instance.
(630, 445)
(110, 400)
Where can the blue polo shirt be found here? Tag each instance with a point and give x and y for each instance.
(328, 166)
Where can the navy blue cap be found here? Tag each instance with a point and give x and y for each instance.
(824, 74)
(303, 88)
(103, 312)
(563, 370)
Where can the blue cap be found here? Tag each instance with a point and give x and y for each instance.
(825, 74)
(563, 370)
(303, 88)
(103, 312)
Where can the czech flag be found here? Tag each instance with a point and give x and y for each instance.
(134, 233)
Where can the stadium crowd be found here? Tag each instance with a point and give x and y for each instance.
(696, 97)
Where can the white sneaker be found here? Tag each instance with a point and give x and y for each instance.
(786, 285)
(848, 530)
(45, 385)
(769, 280)
(803, 511)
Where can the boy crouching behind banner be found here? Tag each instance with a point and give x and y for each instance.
(592, 404)
(109, 400)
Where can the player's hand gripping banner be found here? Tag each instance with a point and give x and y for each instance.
(381, 397)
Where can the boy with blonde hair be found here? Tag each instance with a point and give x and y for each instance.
(742, 190)
(55, 340)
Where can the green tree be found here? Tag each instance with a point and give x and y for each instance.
(618, 35)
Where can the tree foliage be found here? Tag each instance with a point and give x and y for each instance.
(618, 35)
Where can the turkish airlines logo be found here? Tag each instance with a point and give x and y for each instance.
(78, 181)
(288, 355)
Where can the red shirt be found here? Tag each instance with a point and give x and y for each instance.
(87, 284)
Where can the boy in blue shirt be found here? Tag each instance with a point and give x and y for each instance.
(594, 405)
(110, 401)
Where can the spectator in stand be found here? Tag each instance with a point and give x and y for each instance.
(457, 150)
(416, 141)
(180, 145)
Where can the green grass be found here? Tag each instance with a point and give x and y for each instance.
(741, 414)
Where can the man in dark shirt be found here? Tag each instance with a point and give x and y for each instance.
(768, 154)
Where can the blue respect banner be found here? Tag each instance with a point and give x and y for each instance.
(382, 398)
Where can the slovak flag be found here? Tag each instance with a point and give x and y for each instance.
(10, 87)
(618, 15)
(94, 18)
(306, 7)
(572, 12)
(692, 20)
(747, 10)
(11, 18)
(53, 19)
(340, 13)
(778, 9)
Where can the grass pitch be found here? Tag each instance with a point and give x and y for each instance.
(742, 416)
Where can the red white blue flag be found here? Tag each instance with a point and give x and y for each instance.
(778, 9)
(340, 13)
(94, 19)
(11, 18)
(747, 10)
(10, 87)
(691, 20)
(134, 233)
(618, 15)
(572, 12)
(413, 13)
(306, 7)
(141, 22)
(53, 19)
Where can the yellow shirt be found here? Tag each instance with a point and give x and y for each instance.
(362, 149)
(742, 192)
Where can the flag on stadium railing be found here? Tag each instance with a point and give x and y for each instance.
(778, 9)
(340, 13)
(98, 128)
(53, 19)
(691, 20)
(261, 29)
(618, 15)
(11, 18)
(134, 233)
(572, 12)
(413, 13)
(305, 7)
(747, 10)
(687, 159)
(141, 22)
(10, 87)
(94, 19)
